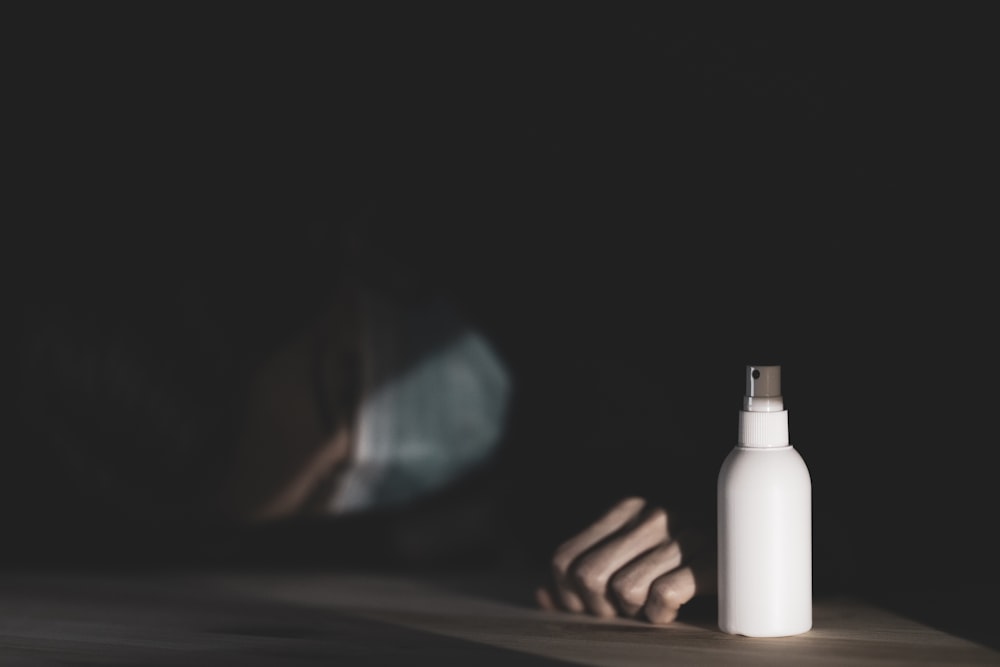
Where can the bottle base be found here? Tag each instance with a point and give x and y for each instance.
(767, 632)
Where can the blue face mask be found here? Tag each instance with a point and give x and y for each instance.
(433, 408)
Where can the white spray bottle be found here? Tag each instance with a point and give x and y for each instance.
(764, 520)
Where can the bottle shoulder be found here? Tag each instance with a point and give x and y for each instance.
(780, 462)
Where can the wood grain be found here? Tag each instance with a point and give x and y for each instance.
(392, 619)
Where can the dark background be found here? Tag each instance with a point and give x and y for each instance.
(658, 196)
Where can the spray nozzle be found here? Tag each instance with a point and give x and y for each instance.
(763, 393)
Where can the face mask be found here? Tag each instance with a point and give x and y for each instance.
(433, 407)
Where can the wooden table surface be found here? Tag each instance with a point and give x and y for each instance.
(260, 618)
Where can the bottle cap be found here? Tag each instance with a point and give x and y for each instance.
(763, 420)
(763, 392)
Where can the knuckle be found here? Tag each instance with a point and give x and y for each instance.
(589, 575)
(561, 561)
(671, 553)
(626, 504)
(667, 594)
(627, 591)
(656, 518)
(657, 514)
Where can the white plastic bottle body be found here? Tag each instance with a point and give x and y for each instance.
(765, 542)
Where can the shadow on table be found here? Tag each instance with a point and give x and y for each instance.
(57, 619)
(962, 611)
(518, 589)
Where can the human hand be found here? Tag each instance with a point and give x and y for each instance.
(629, 563)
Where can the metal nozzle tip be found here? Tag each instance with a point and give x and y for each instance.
(763, 381)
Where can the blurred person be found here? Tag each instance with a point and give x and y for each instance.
(330, 386)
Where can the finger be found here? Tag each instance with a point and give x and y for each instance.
(567, 553)
(546, 599)
(592, 572)
(629, 587)
(669, 592)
